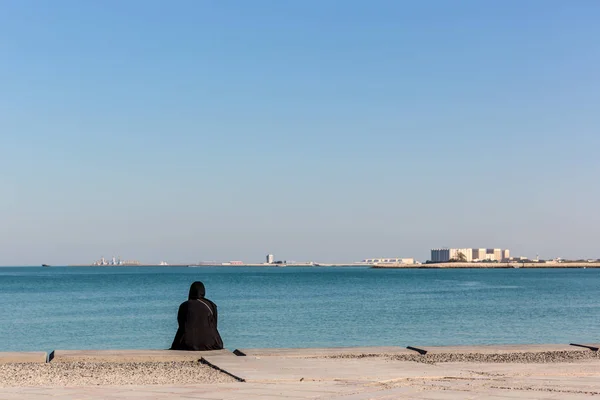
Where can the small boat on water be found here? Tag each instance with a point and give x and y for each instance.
(45, 265)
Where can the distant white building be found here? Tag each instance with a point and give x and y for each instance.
(270, 259)
(467, 254)
(498, 253)
(479, 254)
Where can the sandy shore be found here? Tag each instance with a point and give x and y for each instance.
(90, 374)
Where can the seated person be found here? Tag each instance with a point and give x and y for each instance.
(197, 319)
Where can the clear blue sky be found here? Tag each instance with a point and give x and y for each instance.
(316, 130)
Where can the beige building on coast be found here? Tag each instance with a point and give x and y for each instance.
(469, 255)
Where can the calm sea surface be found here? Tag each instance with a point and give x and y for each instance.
(111, 308)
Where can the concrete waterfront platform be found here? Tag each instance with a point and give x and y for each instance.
(323, 351)
(567, 379)
(319, 374)
(289, 369)
(23, 357)
(132, 356)
(295, 390)
(571, 381)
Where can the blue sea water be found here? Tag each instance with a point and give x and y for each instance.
(115, 308)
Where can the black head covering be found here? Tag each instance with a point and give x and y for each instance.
(197, 290)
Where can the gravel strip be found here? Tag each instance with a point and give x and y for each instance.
(90, 374)
(541, 357)
(528, 357)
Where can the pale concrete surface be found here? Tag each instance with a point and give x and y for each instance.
(129, 356)
(562, 380)
(325, 351)
(548, 384)
(23, 357)
(281, 369)
(236, 391)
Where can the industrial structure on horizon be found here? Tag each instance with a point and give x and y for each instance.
(469, 255)
(115, 261)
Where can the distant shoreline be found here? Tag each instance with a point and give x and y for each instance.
(529, 265)
(494, 265)
(220, 265)
(396, 266)
(122, 266)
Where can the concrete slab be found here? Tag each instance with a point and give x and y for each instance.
(579, 369)
(289, 369)
(23, 357)
(520, 379)
(322, 352)
(239, 391)
(127, 356)
(311, 390)
(499, 349)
